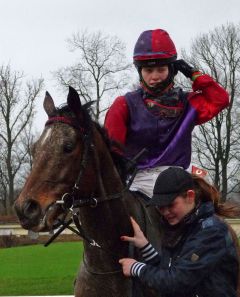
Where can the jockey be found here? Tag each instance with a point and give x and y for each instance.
(158, 116)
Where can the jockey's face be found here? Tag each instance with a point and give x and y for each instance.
(179, 208)
(154, 75)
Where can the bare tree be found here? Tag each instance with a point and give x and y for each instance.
(217, 143)
(27, 139)
(3, 191)
(16, 112)
(100, 71)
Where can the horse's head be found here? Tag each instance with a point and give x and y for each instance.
(59, 158)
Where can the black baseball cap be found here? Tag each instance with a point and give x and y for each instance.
(169, 184)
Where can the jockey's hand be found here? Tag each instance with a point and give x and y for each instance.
(138, 239)
(185, 68)
(126, 265)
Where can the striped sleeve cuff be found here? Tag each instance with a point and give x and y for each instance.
(136, 268)
(196, 74)
(148, 252)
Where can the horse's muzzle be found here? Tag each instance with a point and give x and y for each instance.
(29, 213)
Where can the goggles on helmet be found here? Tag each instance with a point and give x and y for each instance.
(153, 62)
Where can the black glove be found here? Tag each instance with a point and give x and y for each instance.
(184, 67)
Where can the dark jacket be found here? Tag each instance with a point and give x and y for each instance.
(204, 263)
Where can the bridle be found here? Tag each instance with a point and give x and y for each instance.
(68, 200)
(71, 201)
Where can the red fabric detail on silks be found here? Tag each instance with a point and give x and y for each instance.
(163, 110)
(116, 120)
(208, 98)
(179, 106)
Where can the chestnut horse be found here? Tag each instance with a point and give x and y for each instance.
(73, 164)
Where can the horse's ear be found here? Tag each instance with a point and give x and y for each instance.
(73, 101)
(48, 105)
(89, 104)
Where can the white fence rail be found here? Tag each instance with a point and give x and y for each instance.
(16, 229)
(235, 223)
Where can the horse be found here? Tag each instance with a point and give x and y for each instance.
(74, 164)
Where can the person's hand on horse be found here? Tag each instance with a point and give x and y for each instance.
(138, 239)
(126, 265)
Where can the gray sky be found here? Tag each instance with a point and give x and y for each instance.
(33, 32)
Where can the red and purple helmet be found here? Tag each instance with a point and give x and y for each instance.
(154, 47)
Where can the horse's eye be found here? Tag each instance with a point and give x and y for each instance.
(68, 147)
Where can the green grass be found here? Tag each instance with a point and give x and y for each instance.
(37, 270)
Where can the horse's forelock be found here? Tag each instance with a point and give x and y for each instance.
(64, 110)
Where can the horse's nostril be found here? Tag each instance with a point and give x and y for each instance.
(31, 209)
(29, 213)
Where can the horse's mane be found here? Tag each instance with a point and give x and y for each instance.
(113, 147)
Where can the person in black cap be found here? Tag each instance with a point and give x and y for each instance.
(200, 252)
(168, 194)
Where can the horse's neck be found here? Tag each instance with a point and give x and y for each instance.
(105, 224)
(108, 221)
(109, 175)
